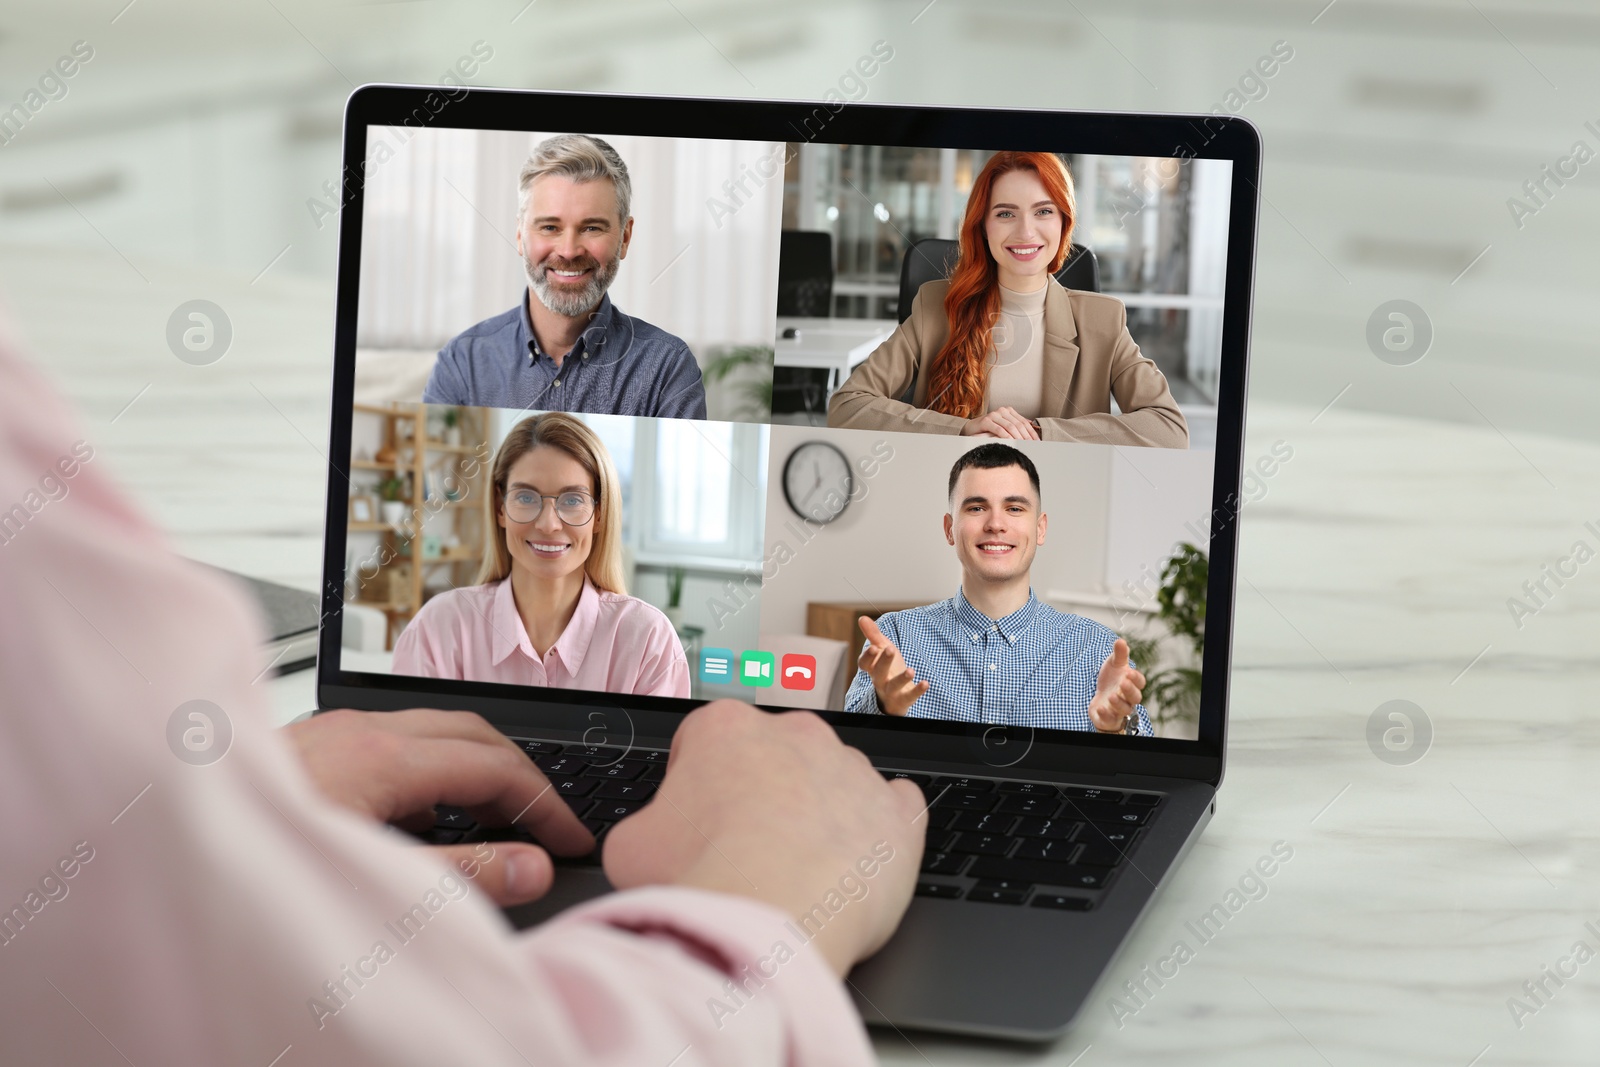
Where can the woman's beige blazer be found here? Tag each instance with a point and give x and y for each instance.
(1089, 357)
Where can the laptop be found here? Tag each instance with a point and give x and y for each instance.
(778, 485)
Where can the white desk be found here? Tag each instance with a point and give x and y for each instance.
(834, 345)
(1377, 567)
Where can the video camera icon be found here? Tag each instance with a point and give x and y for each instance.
(756, 667)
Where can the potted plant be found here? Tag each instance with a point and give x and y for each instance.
(393, 491)
(674, 609)
(753, 395)
(452, 427)
(1172, 694)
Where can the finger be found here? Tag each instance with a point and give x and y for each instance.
(1130, 693)
(431, 722)
(1136, 676)
(908, 798)
(489, 780)
(870, 630)
(1111, 670)
(508, 872)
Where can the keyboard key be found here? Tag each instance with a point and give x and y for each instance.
(626, 769)
(437, 836)
(1077, 792)
(1026, 805)
(1029, 789)
(970, 785)
(653, 755)
(986, 895)
(1144, 800)
(1044, 848)
(939, 890)
(966, 800)
(1062, 901)
(982, 844)
(614, 790)
(1114, 835)
(577, 802)
(1102, 854)
(921, 780)
(983, 822)
(944, 862)
(1041, 872)
(538, 748)
(612, 810)
(573, 787)
(450, 817)
(1114, 814)
(1065, 829)
(1010, 884)
(559, 764)
(654, 772)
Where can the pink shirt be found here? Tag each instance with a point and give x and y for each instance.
(613, 644)
(156, 911)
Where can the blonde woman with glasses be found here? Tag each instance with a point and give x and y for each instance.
(550, 608)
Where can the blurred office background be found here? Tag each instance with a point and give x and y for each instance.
(187, 159)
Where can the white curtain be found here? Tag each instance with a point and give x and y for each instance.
(1209, 193)
(438, 236)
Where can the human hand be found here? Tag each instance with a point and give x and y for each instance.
(1117, 692)
(1001, 422)
(395, 766)
(776, 808)
(894, 681)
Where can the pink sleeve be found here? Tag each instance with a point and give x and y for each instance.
(666, 669)
(172, 889)
(416, 649)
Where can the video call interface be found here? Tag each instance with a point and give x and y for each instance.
(918, 432)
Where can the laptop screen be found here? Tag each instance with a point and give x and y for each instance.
(911, 432)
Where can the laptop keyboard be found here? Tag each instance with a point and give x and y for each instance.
(1001, 842)
(989, 840)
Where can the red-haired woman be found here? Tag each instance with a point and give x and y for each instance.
(1002, 349)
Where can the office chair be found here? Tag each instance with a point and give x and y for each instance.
(805, 288)
(805, 273)
(935, 257)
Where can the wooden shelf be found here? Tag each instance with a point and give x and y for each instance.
(380, 409)
(373, 465)
(369, 527)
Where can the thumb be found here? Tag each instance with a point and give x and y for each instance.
(507, 872)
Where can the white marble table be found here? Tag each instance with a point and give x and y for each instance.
(1377, 567)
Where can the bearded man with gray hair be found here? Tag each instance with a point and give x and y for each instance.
(566, 346)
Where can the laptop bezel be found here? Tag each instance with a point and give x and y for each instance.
(651, 720)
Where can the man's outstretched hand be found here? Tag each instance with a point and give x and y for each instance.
(1118, 691)
(895, 682)
(394, 766)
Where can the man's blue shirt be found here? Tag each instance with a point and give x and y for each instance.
(620, 365)
(1035, 667)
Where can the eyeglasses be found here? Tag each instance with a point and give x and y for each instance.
(525, 505)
